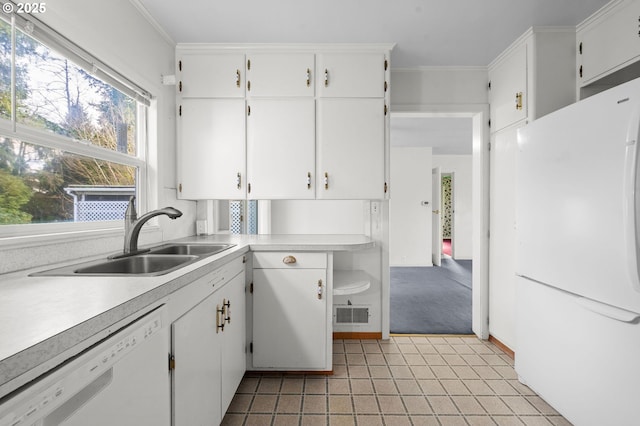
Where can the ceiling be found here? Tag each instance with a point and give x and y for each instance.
(426, 33)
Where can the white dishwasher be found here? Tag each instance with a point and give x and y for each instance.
(122, 380)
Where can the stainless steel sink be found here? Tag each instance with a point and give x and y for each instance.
(191, 249)
(138, 265)
(158, 260)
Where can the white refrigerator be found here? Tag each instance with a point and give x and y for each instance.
(578, 286)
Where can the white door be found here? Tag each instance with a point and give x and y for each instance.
(508, 90)
(233, 338)
(436, 216)
(281, 148)
(196, 378)
(289, 319)
(353, 75)
(205, 75)
(211, 158)
(350, 149)
(502, 241)
(280, 74)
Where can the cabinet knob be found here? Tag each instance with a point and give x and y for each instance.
(289, 260)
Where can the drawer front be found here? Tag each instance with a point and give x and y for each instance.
(291, 260)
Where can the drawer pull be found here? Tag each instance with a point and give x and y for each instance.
(288, 260)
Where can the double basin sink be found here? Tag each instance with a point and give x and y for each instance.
(158, 260)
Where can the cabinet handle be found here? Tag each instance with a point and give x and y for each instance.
(308, 77)
(238, 78)
(219, 324)
(519, 101)
(248, 86)
(326, 180)
(320, 289)
(239, 180)
(326, 77)
(226, 307)
(289, 260)
(308, 180)
(180, 86)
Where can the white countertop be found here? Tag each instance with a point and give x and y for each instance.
(42, 319)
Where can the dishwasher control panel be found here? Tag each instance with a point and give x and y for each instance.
(90, 368)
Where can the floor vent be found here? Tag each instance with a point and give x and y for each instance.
(352, 315)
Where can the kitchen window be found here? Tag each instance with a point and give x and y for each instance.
(72, 134)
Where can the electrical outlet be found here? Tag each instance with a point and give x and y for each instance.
(201, 227)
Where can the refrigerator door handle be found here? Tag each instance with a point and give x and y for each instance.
(630, 198)
(608, 310)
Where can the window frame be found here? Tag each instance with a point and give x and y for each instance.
(11, 128)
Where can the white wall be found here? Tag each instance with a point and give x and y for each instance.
(317, 217)
(120, 36)
(438, 86)
(460, 167)
(410, 221)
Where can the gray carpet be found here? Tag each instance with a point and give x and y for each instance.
(432, 300)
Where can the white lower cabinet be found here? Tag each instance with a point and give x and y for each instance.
(208, 347)
(291, 311)
(196, 378)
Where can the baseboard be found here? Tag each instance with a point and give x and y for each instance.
(346, 335)
(504, 348)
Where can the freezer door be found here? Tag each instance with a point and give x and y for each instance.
(576, 198)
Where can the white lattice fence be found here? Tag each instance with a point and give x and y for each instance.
(89, 211)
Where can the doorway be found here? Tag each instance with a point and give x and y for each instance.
(479, 213)
(446, 207)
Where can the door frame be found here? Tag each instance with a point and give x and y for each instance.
(436, 216)
(479, 113)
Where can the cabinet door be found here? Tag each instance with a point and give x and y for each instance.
(280, 148)
(196, 378)
(502, 244)
(350, 149)
(233, 354)
(211, 157)
(205, 75)
(289, 320)
(610, 43)
(508, 95)
(280, 74)
(355, 75)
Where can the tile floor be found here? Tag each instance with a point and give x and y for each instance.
(417, 380)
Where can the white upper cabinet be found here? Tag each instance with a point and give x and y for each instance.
(280, 74)
(211, 157)
(508, 89)
(283, 122)
(532, 77)
(609, 40)
(351, 74)
(350, 148)
(208, 75)
(281, 148)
